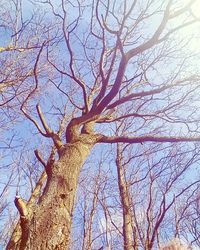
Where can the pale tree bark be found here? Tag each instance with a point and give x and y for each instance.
(53, 217)
(150, 210)
(129, 230)
(50, 220)
(16, 235)
(88, 222)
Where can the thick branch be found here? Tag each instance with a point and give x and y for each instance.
(42, 119)
(21, 206)
(16, 236)
(154, 39)
(71, 63)
(141, 139)
(180, 83)
(24, 220)
(116, 86)
(39, 157)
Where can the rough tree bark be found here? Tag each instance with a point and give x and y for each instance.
(49, 222)
(52, 230)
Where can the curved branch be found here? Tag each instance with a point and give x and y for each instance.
(152, 92)
(39, 157)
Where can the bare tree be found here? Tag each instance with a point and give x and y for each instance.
(106, 75)
(151, 190)
(188, 219)
(130, 233)
(153, 202)
(90, 202)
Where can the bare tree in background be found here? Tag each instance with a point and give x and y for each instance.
(151, 205)
(138, 72)
(189, 219)
(150, 191)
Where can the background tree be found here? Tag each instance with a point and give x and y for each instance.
(144, 76)
(188, 219)
(146, 205)
(149, 192)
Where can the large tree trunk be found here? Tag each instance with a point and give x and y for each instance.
(50, 222)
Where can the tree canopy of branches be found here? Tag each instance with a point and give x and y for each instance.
(77, 69)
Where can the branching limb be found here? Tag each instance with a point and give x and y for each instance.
(19, 49)
(42, 119)
(16, 236)
(50, 160)
(21, 206)
(105, 79)
(182, 10)
(180, 83)
(48, 132)
(37, 191)
(131, 53)
(33, 92)
(67, 33)
(39, 157)
(153, 40)
(142, 139)
(33, 121)
(116, 86)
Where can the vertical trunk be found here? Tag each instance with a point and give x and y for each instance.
(84, 244)
(92, 212)
(87, 238)
(128, 228)
(51, 219)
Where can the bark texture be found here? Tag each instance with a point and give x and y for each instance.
(51, 219)
(129, 230)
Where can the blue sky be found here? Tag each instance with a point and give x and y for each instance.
(24, 129)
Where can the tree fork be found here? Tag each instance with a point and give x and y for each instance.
(50, 224)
